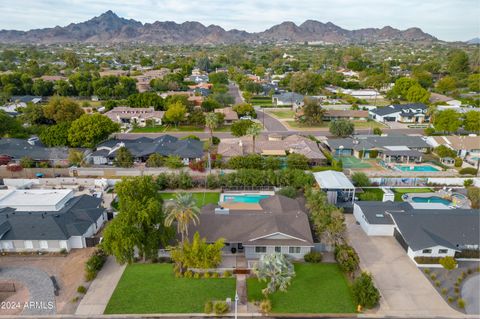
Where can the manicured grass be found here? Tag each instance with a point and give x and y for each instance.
(400, 191)
(316, 288)
(283, 114)
(375, 194)
(261, 100)
(181, 128)
(153, 288)
(210, 198)
(353, 162)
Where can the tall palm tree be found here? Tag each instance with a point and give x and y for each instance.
(254, 130)
(211, 121)
(182, 210)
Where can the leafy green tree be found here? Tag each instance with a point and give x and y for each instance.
(346, 258)
(297, 161)
(423, 77)
(173, 161)
(182, 211)
(239, 128)
(209, 105)
(139, 224)
(42, 88)
(62, 109)
(306, 82)
(377, 131)
(175, 113)
(444, 151)
(9, 127)
(63, 88)
(276, 270)
(244, 109)
(474, 82)
(364, 291)
(223, 99)
(33, 114)
(417, 94)
(27, 162)
(55, 135)
(123, 158)
(446, 84)
(471, 121)
(114, 87)
(211, 122)
(272, 163)
(312, 112)
(76, 158)
(146, 99)
(341, 128)
(458, 62)
(447, 121)
(89, 130)
(71, 59)
(254, 130)
(155, 160)
(82, 83)
(401, 87)
(196, 118)
(218, 78)
(360, 179)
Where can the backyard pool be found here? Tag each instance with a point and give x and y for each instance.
(431, 199)
(245, 198)
(416, 168)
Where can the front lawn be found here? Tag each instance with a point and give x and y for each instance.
(153, 288)
(282, 114)
(401, 191)
(316, 288)
(209, 198)
(371, 194)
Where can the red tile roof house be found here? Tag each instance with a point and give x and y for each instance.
(128, 115)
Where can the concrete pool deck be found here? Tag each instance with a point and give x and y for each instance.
(456, 200)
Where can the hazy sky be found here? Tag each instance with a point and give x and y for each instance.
(446, 19)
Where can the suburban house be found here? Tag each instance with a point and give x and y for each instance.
(230, 115)
(423, 231)
(338, 187)
(143, 80)
(443, 99)
(288, 99)
(276, 224)
(463, 145)
(141, 148)
(391, 148)
(272, 146)
(135, 115)
(354, 115)
(18, 102)
(359, 94)
(47, 220)
(15, 149)
(404, 113)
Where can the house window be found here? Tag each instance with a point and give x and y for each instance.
(260, 249)
(28, 244)
(443, 251)
(278, 249)
(43, 244)
(426, 251)
(294, 250)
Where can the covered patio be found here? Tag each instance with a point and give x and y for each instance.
(401, 155)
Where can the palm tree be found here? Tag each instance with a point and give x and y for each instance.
(182, 210)
(254, 130)
(276, 270)
(211, 121)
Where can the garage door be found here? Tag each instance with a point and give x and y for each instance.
(389, 119)
(400, 239)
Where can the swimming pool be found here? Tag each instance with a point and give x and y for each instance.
(431, 199)
(246, 198)
(416, 168)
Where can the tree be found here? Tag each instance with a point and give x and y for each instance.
(445, 151)
(473, 194)
(9, 126)
(182, 211)
(239, 128)
(196, 118)
(211, 121)
(33, 114)
(89, 130)
(173, 161)
(448, 263)
(306, 82)
(247, 96)
(254, 130)
(446, 84)
(377, 131)
(154, 160)
(360, 179)
(139, 224)
(474, 82)
(297, 161)
(401, 87)
(42, 88)
(447, 121)
(346, 258)
(55, 135)
(312, 112)
(75, 157)
(276, 270)
(27, 162)
(209, 105)
(71, 59)
(458, 62)
(244, 109)
(364, 291)
(123, 158)
(218, 78)
(341, 128)
(223, 99)
(175, 112)
(62, 109)
(471, 121)
(146, 99)
(417, 94)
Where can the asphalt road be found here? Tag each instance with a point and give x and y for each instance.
(270, 123)
(234, 91)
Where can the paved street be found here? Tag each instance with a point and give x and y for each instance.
(271, 124)
(234, 91)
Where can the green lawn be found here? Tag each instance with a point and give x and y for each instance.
(283, 114)
(210, 198)
(261, 100)
(316, 288)
(375, 194)
(153, 288)
(400, 191)
(353, 162)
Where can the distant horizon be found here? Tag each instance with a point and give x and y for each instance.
(447, 20)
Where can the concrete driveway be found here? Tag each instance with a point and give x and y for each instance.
(404, 289)
(471, 295)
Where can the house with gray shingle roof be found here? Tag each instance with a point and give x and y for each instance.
(404, 113)
(16, 148)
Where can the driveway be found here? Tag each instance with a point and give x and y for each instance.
(271, 124)
(404, 289)
(471, 295)
(41, 299)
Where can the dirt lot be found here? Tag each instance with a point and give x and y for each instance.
(68, 271)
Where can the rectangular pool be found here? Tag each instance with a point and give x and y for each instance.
(245, 198)
(416, 168)
(432, 199)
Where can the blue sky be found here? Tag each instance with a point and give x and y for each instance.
(446, 19)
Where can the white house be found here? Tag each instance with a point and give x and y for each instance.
(404, 113)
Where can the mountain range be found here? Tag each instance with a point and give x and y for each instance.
(110, 28)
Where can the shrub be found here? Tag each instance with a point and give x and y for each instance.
(297, 161)
(188, 274)
(208, 307)
(265, 306)
(473, 194)
(426, 270)
(444, 291)
(215, 275)
(313, 257)
(450, 299)
(154, 160)
(458, 162)
(468, 182)
(429, 131)
(197, 166)
(468, 171)
(364, 291)
(461, 303)
(456, 289)
(433, 276)
(360, 179)
(81, 289)
(373, 154)
(427, 260)
(346, 258)
(94, 264)
(288, 191)
(220, 307)
(63, 251)
(215, 140)
(437, 283)
(196, 275)
(173, 161)
(227, 274)
(206, 275)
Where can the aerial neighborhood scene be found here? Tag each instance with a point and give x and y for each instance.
(251, 158)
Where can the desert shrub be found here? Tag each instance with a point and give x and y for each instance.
(450, 299)
(208, 307)
(433, 276)
(444, 291)
(81, 289)
(461, 303)
(265, 306)
(437, 283)
(426, 270)
(220, 307)
(468, 182)
(188, 274)
(215, 275)
(206, 275)
(458, 162)
(196, 275)
(227, 274)
(313, 257)
(94, 264)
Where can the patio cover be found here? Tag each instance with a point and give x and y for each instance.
(333, 180)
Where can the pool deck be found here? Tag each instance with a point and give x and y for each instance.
(241, 206)
(460, 203)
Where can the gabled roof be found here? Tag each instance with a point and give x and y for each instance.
(18, 148)
(367, 142)
(396, 108)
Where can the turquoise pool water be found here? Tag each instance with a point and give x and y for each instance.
(475, 158)
(250, 199)
(416, 168)
(432, 199)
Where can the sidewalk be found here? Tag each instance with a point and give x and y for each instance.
(96, 299)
